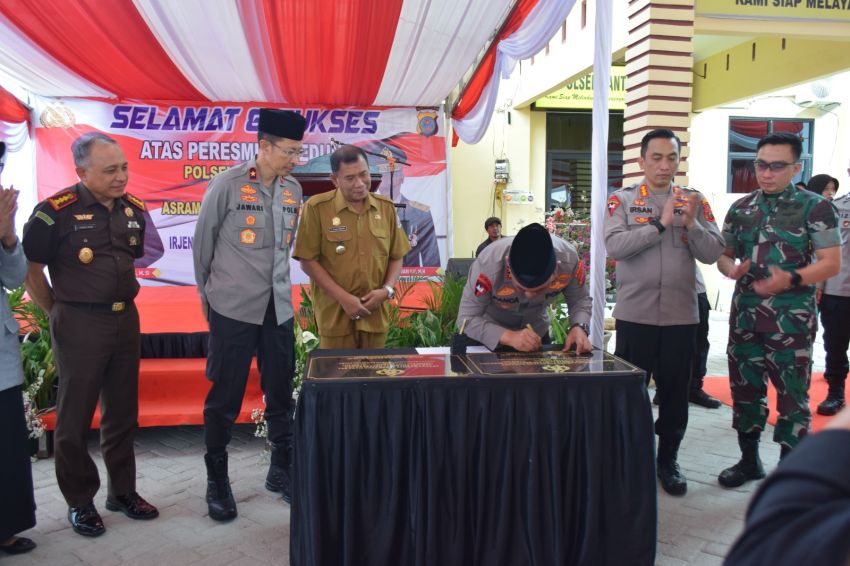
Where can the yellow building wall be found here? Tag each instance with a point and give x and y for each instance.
(476, 196)
(765, 64)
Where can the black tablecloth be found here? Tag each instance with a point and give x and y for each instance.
(175, 345)
(474, 471)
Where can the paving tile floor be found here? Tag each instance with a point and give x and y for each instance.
(696, 529)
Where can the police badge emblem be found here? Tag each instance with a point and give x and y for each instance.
(427, 123)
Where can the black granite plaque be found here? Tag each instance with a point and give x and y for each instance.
(546, 363)
(387, 366)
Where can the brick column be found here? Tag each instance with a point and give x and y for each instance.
(659, 81)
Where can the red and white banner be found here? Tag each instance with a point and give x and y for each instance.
(175, 149)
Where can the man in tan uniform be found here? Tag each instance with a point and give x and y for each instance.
(351, 244)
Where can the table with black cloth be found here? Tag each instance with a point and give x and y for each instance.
(481, 459)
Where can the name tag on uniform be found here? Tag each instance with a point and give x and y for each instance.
(133, 224)
(334, 229)
(86, 226)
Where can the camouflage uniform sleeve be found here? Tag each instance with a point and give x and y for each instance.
(704, 238)
(477, 295)
(822, 225)
(41, 234)
(579, 302)
(620, 241)
(729, 233)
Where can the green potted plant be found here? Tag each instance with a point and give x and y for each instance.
(37, 358)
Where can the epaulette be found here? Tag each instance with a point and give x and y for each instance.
(322, 197)
(135, 201)
(379, 196)
(62, 199)
(419, 206)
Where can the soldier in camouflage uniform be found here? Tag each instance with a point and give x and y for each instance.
(776, 231)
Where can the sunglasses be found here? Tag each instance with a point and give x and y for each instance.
(775, 166)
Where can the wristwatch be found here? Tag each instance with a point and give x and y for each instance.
(390, 292)
(658, 225)
(583, 325)
(796, 279)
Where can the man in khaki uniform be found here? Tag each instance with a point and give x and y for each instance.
(351, 244)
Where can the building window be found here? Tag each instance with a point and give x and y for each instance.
(568, 158)
(744, 134)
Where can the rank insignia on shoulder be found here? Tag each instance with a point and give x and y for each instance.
(252, 173)
(135, 201)
(644, 192)
(63, 199)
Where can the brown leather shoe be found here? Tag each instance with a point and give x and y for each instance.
(133, 506)
(86, 520)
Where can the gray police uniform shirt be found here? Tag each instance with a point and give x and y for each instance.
(491, 303)
(700, 281)
(840, 284)
(242, 244)
(656, 273)
(13, 270)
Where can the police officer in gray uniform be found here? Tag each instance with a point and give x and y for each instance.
(513, 281)
(655, 230)
(242, 244)
(834, 315)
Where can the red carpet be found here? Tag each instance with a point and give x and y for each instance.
(719, 387)
(172, 390)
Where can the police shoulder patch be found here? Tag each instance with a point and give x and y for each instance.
(62, 199)
(706, 210)
(135, 201)
(482, 285)
(613, 204)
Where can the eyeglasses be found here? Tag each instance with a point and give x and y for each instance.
(290, 153)
(775, 166)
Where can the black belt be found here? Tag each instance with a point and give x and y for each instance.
(116, 307)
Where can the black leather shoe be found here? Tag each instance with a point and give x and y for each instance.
(86, 521)
(133, 506)
(671, 478)
(19, 546)
(703, 399)
(831, 405)
(278, 480)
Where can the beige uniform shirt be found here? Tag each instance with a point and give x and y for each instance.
(840, 284)
(656, 273)
(492, 303)
(355, 249)
(242, 242)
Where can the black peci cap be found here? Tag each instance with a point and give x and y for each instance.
(282, 123)
(532, 256)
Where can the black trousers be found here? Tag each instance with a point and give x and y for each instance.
(702, 345)
(97, 357)
(232, 346)
(666, 354)
(16, 490)
(835, 317)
